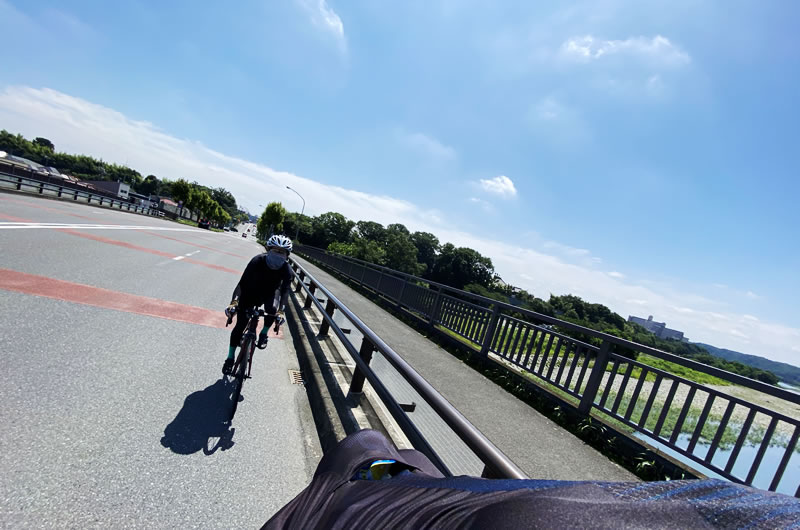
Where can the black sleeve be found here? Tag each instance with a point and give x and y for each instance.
(286, 281)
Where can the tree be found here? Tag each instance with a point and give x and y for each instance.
(329, 227)
(371, 230)
(182, 193)
(427, 246)
(458, 267)
(397, 227)
(272, 218)
(295, 221)
(401, 254)
(149, 186)
(225, 199)
(45, 143)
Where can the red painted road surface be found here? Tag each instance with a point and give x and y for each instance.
(98, 297)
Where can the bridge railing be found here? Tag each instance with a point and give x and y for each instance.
(496, 464)
(20, 179)
(717, 431)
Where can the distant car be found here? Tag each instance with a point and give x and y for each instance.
(244, 234)
(203, 223)
(234, 229)
(226, 229)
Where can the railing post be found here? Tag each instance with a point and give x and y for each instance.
(489, 337)
(60, 190)
(325, 326)
(435, 309)
(75, 198)
(363, 273)
(311, 289)
(365, 352)
(400, 295)
(300, 279)
(378, 285)
(41, 188)
(19, 183)
(595, 378)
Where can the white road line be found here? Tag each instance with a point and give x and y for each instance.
(192, 253)
(74, 226)
(178, 258)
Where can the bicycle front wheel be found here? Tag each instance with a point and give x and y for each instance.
(239, 371)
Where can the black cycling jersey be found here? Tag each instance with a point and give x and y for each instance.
(259, 283)
(417, 495)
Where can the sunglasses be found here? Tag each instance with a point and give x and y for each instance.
(280, 251)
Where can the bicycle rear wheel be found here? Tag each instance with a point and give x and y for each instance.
(238, 374)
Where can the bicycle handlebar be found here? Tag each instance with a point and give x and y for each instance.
(279, 320)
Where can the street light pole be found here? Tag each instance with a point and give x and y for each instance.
(297, 232)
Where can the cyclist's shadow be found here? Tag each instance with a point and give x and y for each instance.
(202, 423)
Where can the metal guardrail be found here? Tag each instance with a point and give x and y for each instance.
(496, 464)
(707, 426)
(22, 179)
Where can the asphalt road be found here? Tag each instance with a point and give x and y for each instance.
(112, 402)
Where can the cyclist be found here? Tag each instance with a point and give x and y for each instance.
(265, 281)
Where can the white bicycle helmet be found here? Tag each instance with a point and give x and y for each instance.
(280, 241)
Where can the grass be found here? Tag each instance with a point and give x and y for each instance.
(676, 369)
(524, 345)
(710, 427)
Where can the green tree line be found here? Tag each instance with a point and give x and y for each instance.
(422, 254)
(217, 204)
(393, 246)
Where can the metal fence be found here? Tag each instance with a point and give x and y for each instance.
(717, 431)
(14, 177)
(496, 464)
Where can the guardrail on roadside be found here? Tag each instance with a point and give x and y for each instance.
(11, 178)
(705, 425)
(496, 464)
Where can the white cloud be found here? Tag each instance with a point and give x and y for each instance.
(78, 126)
(751, 295)
(324, 17)
(485, 205)
(558, 123)
(428, 146)
(657, 50)
(615, 274)
(564, 249)
(636, 301)
(501, 186)
(737, 333)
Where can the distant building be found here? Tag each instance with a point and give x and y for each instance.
(659, 329)
(120, 189)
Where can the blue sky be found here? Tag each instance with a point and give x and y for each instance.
(640, 154)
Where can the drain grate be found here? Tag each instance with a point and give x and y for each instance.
(296, 378)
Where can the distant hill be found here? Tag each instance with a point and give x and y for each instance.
(788, 373)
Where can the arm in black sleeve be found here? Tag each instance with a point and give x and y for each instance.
(236, 292)
(286, 281)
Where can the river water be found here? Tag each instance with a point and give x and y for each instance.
(769, 464)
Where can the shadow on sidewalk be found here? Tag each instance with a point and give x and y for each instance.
(202, 423)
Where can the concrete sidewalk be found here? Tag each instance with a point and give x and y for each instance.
(538, 446)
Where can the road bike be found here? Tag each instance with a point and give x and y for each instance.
(244, 361)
